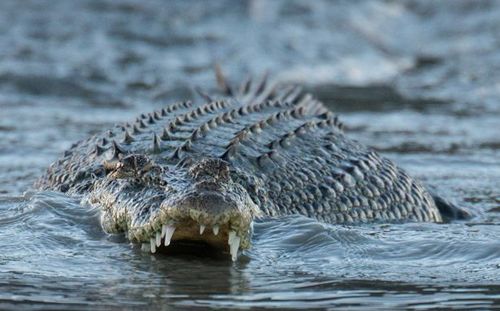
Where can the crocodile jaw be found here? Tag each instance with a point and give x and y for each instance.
(158, 217)
(221, 236)
(205, 217)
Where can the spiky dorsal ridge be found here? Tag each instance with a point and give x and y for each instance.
(255, 124)
(260, 109)
(254, 93)
(256, 121)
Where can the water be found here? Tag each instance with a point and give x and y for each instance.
(416, 80)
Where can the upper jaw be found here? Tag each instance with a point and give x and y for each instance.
(229, 233)
(220, 237)
(201, 217)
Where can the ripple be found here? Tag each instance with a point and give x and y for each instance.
(407, 78)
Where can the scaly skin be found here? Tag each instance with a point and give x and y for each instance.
(258, 151)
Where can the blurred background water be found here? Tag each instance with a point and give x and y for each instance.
(417, 80)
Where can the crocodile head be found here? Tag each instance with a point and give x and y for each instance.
(159, 205)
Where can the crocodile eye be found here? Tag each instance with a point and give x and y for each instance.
(129, 162)
(121, 171)
(142, 164)
(210, 167)
(110, 166)
(131, 166)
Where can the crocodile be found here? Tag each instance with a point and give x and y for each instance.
(259, 149)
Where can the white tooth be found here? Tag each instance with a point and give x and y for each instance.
(145, 247)
(202, 228)
(163, 231)
(231, 236)
(153, 245)
(168, 234)
(234, 246)
(216, 229)
(158, 238)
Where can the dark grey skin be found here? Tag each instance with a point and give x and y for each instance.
(259, 150)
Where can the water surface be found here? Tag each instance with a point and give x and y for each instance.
(418, 81)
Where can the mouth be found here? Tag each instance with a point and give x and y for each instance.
(189, 233)
(203, 217)
(161, 219)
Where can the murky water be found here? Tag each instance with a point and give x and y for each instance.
(416, 80)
